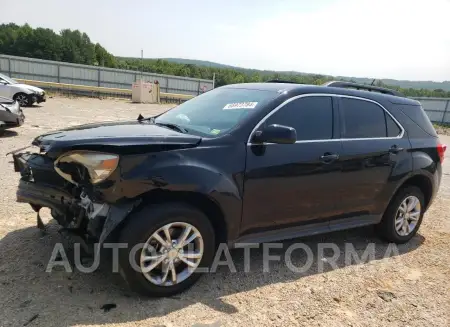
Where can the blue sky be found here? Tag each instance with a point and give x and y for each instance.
(402, 39)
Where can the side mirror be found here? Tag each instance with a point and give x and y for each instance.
(276, 134)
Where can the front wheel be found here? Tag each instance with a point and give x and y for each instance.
(403, 216)
(24, 100)
(166, 246)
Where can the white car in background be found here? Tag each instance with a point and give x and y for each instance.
(25, 94)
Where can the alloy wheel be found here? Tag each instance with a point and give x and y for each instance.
(171, 254)
(22, 99)
(408, 215)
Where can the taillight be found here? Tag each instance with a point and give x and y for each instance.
(441, 151)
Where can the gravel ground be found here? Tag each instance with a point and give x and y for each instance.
(408, 288)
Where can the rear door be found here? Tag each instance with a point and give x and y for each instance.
(375, 154)
(292, 184)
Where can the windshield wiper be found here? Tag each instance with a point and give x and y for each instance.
(142, 118)
(172, 126)
(176, 127)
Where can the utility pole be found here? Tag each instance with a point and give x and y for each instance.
(214, 79)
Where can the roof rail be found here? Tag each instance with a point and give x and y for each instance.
(280, 81)
(350, 85)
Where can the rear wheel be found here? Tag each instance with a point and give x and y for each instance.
(24, 100)
(173, 241)
(403, 216)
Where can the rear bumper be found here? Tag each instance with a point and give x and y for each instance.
(11, 121)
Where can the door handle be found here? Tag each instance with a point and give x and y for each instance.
(395, 149)
(329, 157)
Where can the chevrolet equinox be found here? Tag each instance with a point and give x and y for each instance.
(241, 163)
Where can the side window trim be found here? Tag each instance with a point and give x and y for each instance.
(261, 122)
(337, 123)
(395, 122)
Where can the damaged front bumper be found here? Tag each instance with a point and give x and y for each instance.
(41, 97)
(41, 186)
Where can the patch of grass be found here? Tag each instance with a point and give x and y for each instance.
(442, 128)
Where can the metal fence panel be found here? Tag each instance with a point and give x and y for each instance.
(61, 72)
(117, 77)
(36, 77)
(435, 116)
(447, 117)
(83, 76)
(435, 105)
(4, 65)
(78, 82)
(437, 109)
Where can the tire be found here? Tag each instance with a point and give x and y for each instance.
(142, 225)
(387, 227)
(25, 100)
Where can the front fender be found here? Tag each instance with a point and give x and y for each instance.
(180, 171)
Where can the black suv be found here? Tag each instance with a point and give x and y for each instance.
(241, 163)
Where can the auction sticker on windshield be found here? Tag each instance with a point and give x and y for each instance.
(240, 105)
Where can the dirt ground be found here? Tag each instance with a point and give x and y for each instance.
(408, 288)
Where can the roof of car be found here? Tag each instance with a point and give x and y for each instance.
(305, 88)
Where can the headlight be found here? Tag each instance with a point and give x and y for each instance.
(99, 165)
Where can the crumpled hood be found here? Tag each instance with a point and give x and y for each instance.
(30, 87)
(115, 137)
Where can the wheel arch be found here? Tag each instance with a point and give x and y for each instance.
(421, 181)
(200, 201)
(28, 95)
(21, 91)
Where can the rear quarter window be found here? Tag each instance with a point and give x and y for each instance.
(418, 115)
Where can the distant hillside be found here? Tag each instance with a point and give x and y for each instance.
(198, 63)
(429, 85)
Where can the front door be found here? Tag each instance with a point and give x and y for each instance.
(292, 184)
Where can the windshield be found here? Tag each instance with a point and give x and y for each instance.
(217, 111)
(8, 79)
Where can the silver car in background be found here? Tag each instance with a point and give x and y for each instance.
(25, 94)
(11, 115)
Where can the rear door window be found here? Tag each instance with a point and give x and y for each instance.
(312, 117)
(362, 119)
